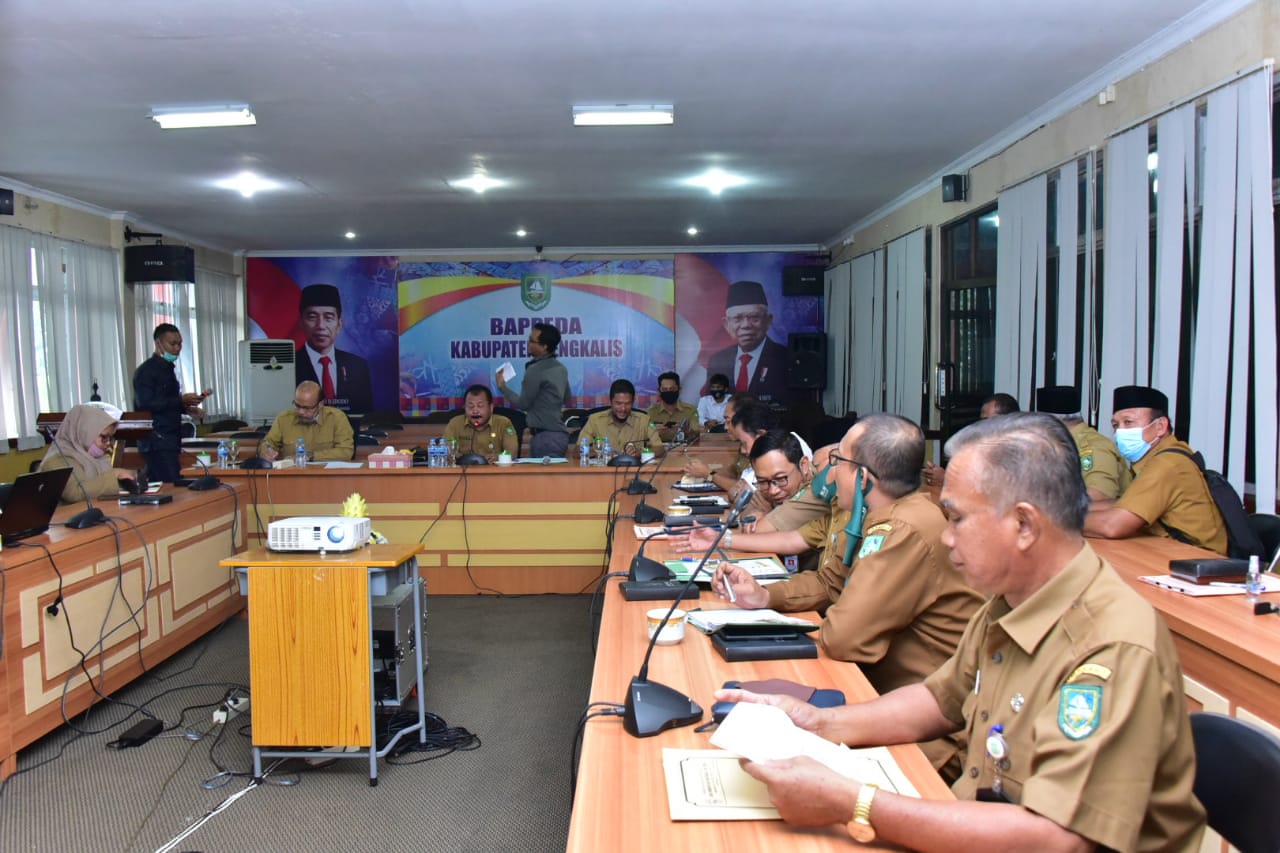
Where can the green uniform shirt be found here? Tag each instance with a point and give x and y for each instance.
(636, 431)
(489, 440)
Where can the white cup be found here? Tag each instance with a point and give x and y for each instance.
(204, 459)
(673, 631)
(679, 509)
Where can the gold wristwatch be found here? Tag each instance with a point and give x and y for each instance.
(860, 827)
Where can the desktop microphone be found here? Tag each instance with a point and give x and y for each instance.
(652, 707)
(205, 482)
(625, 459)
(646, 568)
(90, 516)
(645, 514)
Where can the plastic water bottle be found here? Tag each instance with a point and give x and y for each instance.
(680, 434)
(608, 451)
(300, 454)
(1253, 580)
(584, 453)
(451, 457)
(223, 454)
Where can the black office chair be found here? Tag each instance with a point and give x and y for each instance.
(250, 433)
(226, 425)
(1237, 776)
(1267, 529)
(383, 419)
(5, 488)
(441, 416)
(366, 440)
(582, 421)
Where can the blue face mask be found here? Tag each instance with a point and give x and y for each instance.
(170, 357)
(853, 530)
(1130, 444)
(823, 489)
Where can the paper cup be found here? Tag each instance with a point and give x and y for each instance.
(204, 459)
(679, 509)
(672, 632)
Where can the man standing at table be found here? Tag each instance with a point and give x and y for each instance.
(671, 416)
(627, 430)
(479, 430)
(324, 429)
(1168, 495)
(543, 394)
(756, 363)
(1106, 472)
(156, 390)
(1067, 682)
(343, 376)
(890, 600)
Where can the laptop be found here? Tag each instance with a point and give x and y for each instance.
(30, 504)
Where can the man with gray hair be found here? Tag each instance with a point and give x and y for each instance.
(1066, 681)
(1106, 473)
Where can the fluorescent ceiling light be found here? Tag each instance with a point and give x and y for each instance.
(477, 183)
(692, 231)
(522, 233)
(350, 235)
(226, 116)
(247, 183)
(624, 115)
(716, 181)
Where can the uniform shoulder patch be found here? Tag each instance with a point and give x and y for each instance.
(1079, 710)
(1086, 462)
(882, 527)
(871, 544)
(511, 431)
(1097, 670)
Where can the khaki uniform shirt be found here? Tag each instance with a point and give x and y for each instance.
(495, 437)
(796, 512)
(1103, 467)
(1169, 488)
(329, 438)
(1084, 678)
(684, 414)
(900, 610)
(636, 431)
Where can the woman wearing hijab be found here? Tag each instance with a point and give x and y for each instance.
(83, 443)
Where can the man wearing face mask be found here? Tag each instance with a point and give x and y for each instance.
(671, 415)
(711, 406)
(324, 429)
(156, 390)
(1168, 496)
(890, 599)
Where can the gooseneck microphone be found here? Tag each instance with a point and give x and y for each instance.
(646, 568)
(90, 516)
(652, 707)
(645, 514)
(205, 481)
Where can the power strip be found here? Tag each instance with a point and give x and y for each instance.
(230, 709)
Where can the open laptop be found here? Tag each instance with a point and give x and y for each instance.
(30, 504)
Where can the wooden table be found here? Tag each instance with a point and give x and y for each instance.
(621, 800)
(166, 569)
(311, 655)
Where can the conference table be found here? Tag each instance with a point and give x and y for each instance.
(132, 592)
(620, 801)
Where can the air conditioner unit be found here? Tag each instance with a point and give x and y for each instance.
(267, 379)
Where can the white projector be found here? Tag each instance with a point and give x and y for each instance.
(318, 533)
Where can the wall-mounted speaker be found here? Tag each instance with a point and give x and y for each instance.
(802, 281)
(955, 187)
(6, 202)
(143, 264)
(806, 361)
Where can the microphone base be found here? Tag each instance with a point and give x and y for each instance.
(201, 484)
(645, 569)
(624, 460)
(645, 514)
(91, 517)
(652, 708)
(640, 487)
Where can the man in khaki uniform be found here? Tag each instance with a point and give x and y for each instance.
(325, 430)
(1066, 681)
(479, 430)
(1106, 473)
(891, 601)
(672, 416)
(1169, 495)
(621, 424)
(783, 479)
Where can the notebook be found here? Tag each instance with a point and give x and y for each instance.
(30, 504)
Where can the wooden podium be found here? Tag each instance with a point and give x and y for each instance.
(311, 654)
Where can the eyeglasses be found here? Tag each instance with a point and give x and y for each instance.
(301, 408)
(836, 459)
(779, 482)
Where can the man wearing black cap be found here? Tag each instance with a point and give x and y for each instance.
(1168, 496)
(343, 376)
(755, 363)
(1106, 473)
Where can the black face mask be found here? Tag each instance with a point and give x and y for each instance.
(669, 397)
(717, 396)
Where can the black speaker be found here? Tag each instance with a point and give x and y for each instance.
(802, 281)
(955, 187)
(807, 361)
(159, 263)
(6, 202)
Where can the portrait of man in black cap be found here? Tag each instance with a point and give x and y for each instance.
(343, 376)
(754, 363)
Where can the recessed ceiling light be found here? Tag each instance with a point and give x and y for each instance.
(247, 183)
(477, 183)
(716, 181)
(179, 118)
(350, 235)
(624, 115)
(692, 231)
(520, 232)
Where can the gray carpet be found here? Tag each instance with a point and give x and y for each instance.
(514, 671)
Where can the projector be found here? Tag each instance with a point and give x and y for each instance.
(318, 533)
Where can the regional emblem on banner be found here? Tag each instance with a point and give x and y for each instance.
(1079, 710)
(535, 291)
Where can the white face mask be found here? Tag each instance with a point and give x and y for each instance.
(1130, 444)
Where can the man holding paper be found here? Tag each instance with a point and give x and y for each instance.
(543, 394)
(1066, 681)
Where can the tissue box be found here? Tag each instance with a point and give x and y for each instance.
(390, 460)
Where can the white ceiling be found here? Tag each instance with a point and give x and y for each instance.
(366, 109)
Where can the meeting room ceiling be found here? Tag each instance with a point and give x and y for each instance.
(368, 111)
